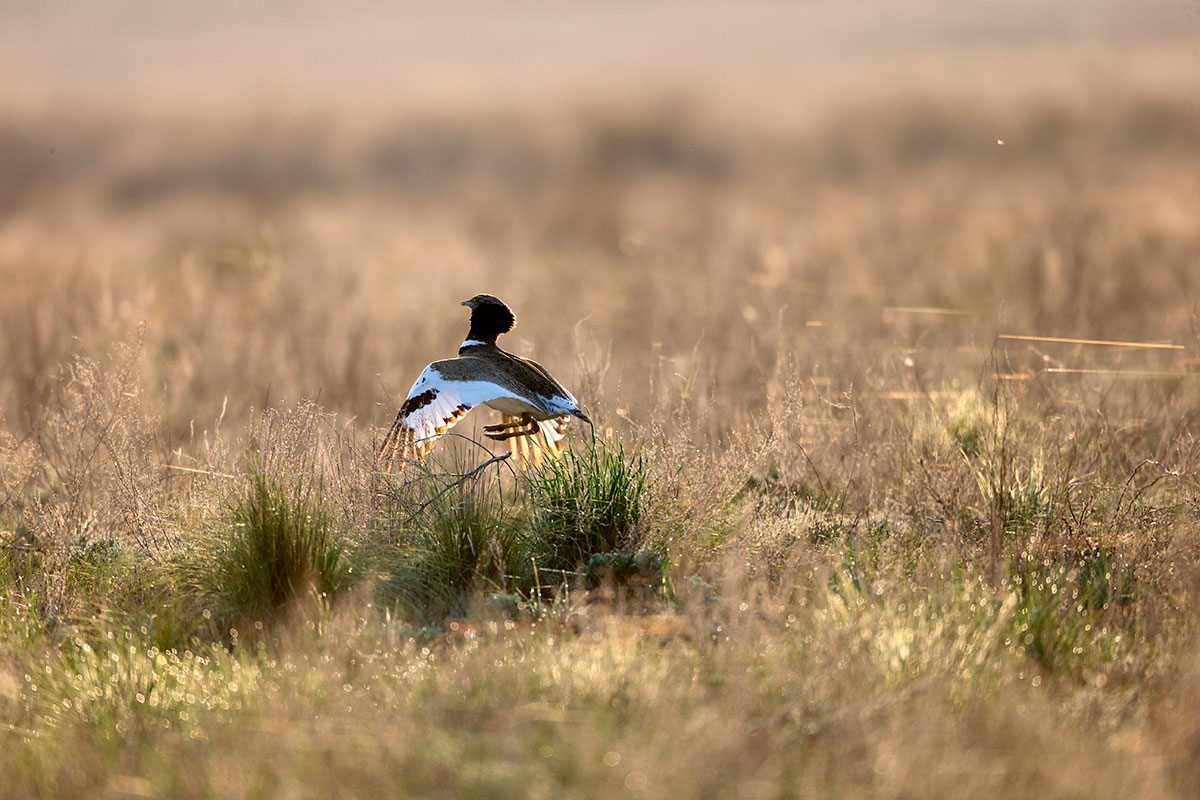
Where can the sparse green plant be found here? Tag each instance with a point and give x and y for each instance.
(277, 543)
(448, 542)
(1022, 499)
(590, 501)
(1060, 618)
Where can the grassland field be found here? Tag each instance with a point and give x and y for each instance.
(893, 490)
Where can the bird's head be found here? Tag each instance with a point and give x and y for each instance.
(489, 318)
(484, 300)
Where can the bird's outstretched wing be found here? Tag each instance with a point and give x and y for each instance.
(434, 405)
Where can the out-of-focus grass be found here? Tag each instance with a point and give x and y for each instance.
(908, 681)
(902, 556)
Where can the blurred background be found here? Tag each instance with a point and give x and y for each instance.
(687, 204)
(778, 62)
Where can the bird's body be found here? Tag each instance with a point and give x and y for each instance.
(534, 406)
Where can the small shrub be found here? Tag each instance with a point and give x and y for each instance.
(458, 541)
(1021, 500)
(283, 542)
(1062, 614)
(1103, 578)
(586, 503)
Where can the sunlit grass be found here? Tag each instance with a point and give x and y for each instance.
(832, 537)
(276, 544)
(573, 708)
(589, 502)
(449, 543)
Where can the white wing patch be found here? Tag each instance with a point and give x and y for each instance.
(434, 405)
(554, 433)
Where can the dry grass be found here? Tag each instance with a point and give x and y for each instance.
(905, 556)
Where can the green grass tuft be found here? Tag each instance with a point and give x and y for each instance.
(282, 544)
(590, 501)
(452, 543)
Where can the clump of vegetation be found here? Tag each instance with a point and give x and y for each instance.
(278, 543)
(449, 543)
(590, 501)
(452, 540)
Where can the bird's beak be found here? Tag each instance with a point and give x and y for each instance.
(583, 417)
(468, 304)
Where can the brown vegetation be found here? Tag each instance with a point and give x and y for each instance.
(860, 541)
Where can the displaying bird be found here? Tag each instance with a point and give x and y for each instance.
(534, 407)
